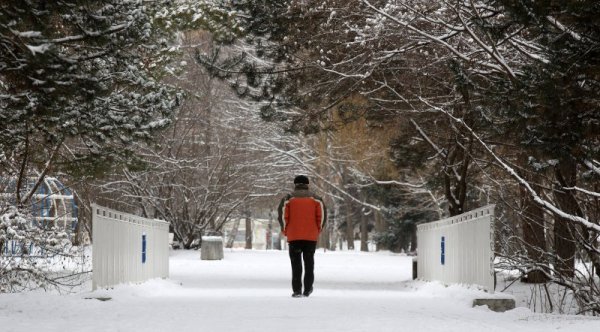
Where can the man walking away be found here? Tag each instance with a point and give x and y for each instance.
(302, 216)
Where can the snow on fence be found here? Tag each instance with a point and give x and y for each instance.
(127, 248)
(458, 249)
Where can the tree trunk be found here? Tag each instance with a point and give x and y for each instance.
(564, 242)
(380, 228)
(189, 240)
(349, 227)
(248, 232)
(233, 234)
(331, 238)
(323, 241)
(332, 227)
(364, 232)
(455, 187)
(269, 237)
(413, 240)
(533, 225)
(532, 221)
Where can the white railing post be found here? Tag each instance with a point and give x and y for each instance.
(117, 243)
(458, 249)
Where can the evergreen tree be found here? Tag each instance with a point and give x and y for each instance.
(81, 74)
(555, 106)
(81, 82)
(402, 214)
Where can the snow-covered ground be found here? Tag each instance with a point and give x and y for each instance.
(250, 291)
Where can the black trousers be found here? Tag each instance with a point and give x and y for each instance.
(302, 250)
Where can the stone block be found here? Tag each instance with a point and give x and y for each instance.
(497, 305)
(212, 248)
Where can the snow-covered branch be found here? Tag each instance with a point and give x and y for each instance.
(525, 184)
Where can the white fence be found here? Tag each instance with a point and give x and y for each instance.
(127, 248)
(458, 249)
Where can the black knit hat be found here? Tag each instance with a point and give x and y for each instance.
(301, 179)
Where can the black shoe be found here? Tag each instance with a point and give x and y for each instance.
(307, 293)
(297, 295)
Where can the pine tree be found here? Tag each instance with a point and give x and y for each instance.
(556, 104)
(81, 82)
(80, 74)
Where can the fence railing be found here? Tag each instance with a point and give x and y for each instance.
(458, 249)
(127, 248)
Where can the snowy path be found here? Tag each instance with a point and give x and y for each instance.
(250, 291)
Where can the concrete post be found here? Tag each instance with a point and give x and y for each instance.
(212, 248)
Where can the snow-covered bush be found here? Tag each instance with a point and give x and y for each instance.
(36, 255)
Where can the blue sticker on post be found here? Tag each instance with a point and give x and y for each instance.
(143, 248)
(443, 253)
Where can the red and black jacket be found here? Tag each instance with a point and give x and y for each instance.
(302, 215)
